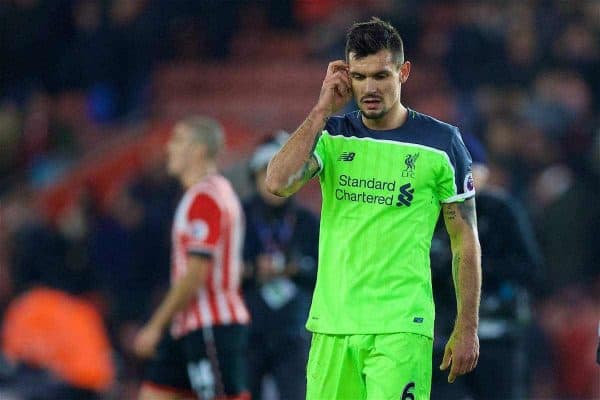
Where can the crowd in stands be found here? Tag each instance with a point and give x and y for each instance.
(520, 76)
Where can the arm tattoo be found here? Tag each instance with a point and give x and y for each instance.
(297, 179)
(308, 170)
(450, 212)
(467, 211)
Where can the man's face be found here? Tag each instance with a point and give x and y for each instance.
(180, 150)
(376, 81)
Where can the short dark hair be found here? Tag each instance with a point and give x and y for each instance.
(367, 38)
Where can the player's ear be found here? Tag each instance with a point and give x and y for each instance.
(404, 71)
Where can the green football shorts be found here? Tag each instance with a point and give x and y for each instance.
(394, 366)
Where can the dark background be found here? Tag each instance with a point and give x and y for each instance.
(89, 89)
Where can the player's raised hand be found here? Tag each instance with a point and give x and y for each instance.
(461, 353)
(336, 91)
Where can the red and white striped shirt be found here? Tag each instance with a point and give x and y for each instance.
(209, 221)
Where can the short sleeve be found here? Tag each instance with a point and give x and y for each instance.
(455, 182)
(203, 225)
(320, 153)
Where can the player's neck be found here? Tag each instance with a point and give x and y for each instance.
(395, 118)
(197, 173)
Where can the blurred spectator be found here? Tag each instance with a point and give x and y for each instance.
(61, 344)
(476, 53)
(561, 198)
(577, 47)
(10, 138)
(31, 33)
(327, 21)
(116, 246)
(280, 252)
(49, 144)
(89, 60)
(37, 250)
(135, 27)
(570, 319)
(523, 51)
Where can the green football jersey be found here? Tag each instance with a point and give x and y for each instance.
(382, 195)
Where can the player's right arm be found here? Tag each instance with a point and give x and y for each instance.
(295, 163)
(176, 299)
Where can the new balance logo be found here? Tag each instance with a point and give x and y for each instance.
(346, 156)
(405, 197)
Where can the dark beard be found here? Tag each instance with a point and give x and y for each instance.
(378, 115)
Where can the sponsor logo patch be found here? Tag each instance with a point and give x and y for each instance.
(199, 229)
(469, 184)
(405, 197)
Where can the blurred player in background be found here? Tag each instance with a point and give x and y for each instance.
(386, 172)
(280, 253)
(203, 354)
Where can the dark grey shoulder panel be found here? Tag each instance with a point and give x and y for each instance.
(418, 129)
(431, 132)
(342, 125)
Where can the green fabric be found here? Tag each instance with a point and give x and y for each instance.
(381, 202)
(369, 367)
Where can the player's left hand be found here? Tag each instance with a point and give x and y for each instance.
(146, 341)
(461, 352)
